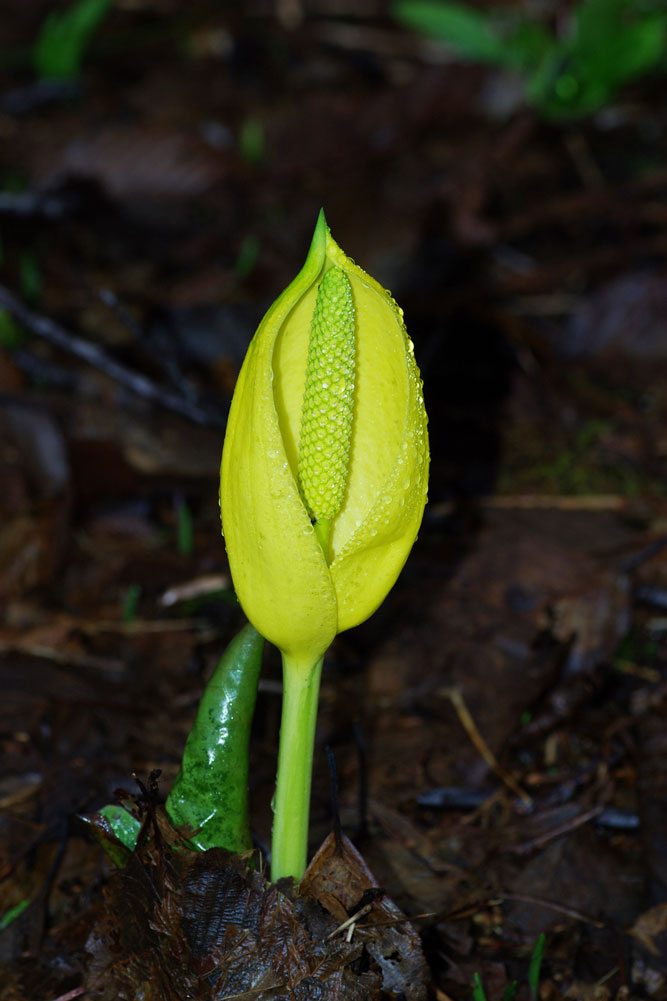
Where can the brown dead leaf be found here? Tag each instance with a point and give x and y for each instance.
(340, 879)
(207, 927)
(135, 162)
(649, 926)
(30, 551)
(588, 992)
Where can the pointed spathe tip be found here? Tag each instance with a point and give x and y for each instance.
(321, 226)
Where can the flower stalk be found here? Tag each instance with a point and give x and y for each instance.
(323, 485)
(291, 805)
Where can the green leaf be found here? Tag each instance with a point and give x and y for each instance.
(502, 39)
(116, 830)
(469, 32)
(210, 795)
(526, 45)
(124, 825)
(63, 39)
(614, 40)
(610, 43)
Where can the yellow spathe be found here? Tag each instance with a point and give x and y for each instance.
(293, 594)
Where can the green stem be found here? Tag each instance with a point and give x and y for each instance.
(289, 846)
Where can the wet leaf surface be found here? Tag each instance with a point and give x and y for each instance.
(341, 881)
(204, 925)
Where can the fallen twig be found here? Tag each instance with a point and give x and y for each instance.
(570, 825)
(551, 905)
(77, 992)
(70, 995)
(43, 326)
(471, 728)
(349, 924)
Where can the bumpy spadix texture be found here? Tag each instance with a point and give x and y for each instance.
(293, 594)
(328, 398)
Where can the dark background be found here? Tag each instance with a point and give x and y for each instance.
(152, 207)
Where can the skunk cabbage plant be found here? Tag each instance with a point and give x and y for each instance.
(323, 486)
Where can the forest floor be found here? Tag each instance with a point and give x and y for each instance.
(500, 726)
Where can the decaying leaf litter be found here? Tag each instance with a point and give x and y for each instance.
(502, 772)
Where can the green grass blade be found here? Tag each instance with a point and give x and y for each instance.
(510, 991)
(13, 913)
(536, 966)
(478, 992)
(64, 36)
